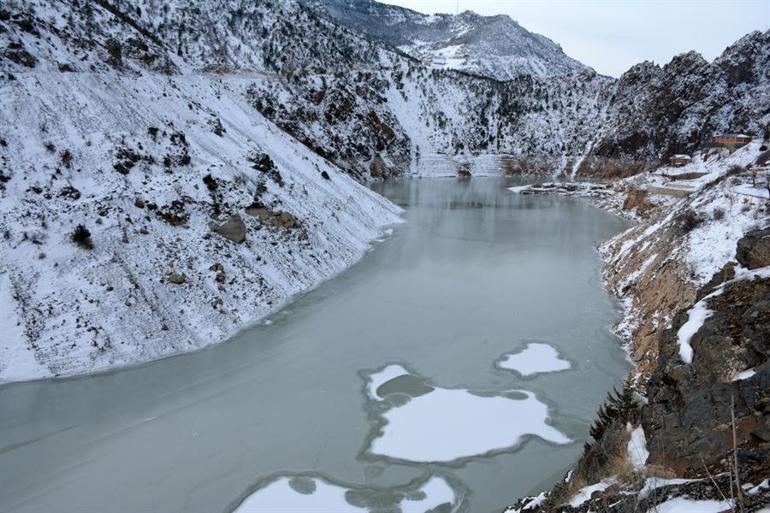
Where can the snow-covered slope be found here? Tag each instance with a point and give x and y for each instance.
(495, 46)
(150, 164)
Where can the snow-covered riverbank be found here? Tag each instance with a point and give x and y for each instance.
(153, 166)
(682, 252)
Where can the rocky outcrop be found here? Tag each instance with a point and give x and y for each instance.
(636, 200)
(176, 278)
(688, 418)
(656, 111)
(234, 229)
(754, 249)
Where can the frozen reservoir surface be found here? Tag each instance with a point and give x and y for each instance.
(534, 359)
(326, 406)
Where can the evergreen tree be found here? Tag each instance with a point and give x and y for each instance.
(618, 406)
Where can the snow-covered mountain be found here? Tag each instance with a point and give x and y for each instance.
(495, 46)
(657, 111)
(199, 215)
(212, 150)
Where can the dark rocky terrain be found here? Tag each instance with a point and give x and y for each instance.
(658, 111)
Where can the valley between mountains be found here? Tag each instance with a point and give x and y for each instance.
(172, 173)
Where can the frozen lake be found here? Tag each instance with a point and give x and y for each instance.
(384, 388)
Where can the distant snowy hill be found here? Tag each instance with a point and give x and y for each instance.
(496, 46)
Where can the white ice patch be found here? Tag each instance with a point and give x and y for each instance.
(534, 359)
(437, 492)
(378, 379)
(280, 497)
(637, 449)
(764, 485)
(535, 502)
(700, 312)
(744, 375)
(585, 493)
(682, 505)
(653, 483)
(741, 273)
(448, 424)
(696, 317)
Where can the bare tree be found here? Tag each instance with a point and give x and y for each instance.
(739, 491)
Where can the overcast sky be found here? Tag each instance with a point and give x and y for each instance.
(612, 35)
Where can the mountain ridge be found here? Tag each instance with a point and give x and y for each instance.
(497, 45)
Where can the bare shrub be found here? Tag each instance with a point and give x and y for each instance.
(66, 158)
(82, 237)
(688, 220)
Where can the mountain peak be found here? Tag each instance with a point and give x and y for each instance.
(496, 46)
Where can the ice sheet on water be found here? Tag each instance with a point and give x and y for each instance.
(379, 378)
(322, 497)
(280, 497)
(533, 359)
(450, 424)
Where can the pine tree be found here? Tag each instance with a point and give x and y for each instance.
(618, 406)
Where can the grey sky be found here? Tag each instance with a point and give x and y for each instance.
(612, 35)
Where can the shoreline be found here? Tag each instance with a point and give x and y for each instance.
(679, 251)
(384, 234)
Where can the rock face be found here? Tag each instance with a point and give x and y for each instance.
(680, 105)
(753, 250)
(176, 279)
(636, 199)
(286, 220)
(688, 418)
(233, 229)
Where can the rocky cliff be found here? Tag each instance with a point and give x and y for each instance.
(559, 118)
(656, 111)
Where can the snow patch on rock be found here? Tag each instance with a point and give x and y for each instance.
(684, 505)
(637, 448)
